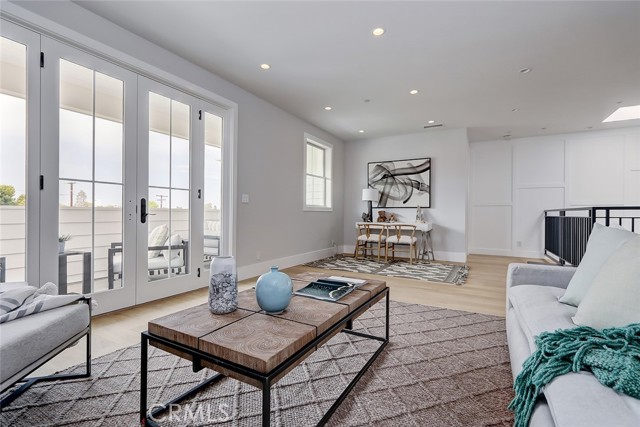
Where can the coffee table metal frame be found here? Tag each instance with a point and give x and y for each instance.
(147, 419)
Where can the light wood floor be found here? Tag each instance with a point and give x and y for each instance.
(483, 292)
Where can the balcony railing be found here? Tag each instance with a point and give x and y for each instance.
(76, 221)
(566, 231)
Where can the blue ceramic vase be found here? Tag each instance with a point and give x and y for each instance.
(274, 291)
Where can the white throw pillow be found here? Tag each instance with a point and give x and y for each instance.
(174, 240)
(614, 297)
(603, 241)
(157, 237)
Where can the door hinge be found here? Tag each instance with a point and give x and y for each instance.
(42, 182)
(41, 59)
(198, 272)
(200, 115)
(199, 193)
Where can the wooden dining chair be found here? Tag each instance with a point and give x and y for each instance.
(370, 238)
(403, 236)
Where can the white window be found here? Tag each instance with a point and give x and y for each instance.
(317, 177)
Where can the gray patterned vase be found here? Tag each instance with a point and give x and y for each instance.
(223, 285)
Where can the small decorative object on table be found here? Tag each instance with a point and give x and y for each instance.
(419, 214)
(273, 291)
(223, 285)
(392, 217)
(381, 217)
(62, 239)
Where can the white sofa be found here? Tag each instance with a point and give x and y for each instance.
(574, 399)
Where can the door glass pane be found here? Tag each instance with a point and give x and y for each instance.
(159, 140)
(109, 124)
(13, 170)
(169, 187)
(76, 121)
(91, 185)
(212, 186)
(179, 145)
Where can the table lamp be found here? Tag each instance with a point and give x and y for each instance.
(369, 195)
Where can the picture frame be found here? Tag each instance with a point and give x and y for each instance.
(401, 183)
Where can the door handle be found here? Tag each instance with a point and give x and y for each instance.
(143, 210)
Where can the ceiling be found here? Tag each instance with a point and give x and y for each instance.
(463, 57)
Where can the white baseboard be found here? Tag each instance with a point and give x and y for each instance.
(440, 255)
(527, 254)
(506, 252)
(254, 270)
(490, 251)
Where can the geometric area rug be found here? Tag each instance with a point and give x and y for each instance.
(441, 368)
(419, 270)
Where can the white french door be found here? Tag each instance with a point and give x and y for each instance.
(19, 154)
(180, 221)
(88, 199)
(111, 184)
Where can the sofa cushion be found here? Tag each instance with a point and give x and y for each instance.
(538, 310)
(578, 400)
(614, 297)
(29, 338)
(603, 242)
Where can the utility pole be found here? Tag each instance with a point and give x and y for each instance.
(161, 198)
(71, 184)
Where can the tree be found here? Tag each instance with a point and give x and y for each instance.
(21, 200)
(7, 193)
(153, 204)
(81, 200)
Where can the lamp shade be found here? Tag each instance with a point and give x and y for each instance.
(369, 194)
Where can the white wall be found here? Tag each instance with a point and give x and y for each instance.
(513, 182)
(269, 143)
(449, 152)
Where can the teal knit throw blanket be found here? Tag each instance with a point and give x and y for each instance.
(612, 355)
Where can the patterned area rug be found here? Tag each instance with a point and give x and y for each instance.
(441, 368)
(421, 270)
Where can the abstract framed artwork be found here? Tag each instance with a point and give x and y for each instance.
(401, 183)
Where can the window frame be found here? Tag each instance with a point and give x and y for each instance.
(327, 149)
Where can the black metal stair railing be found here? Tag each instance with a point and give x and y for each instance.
(566, 231)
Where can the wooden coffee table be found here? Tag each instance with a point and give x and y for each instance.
(257, 348)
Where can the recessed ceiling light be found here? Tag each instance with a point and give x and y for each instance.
(624, 113)
(378, 31)
(515, 110)
(327, 108)
(525, 70)
(367, 100)
(543, 128)
(413, 91)
(265, 66)
(361, 131)
(431, 122)
(589, 127)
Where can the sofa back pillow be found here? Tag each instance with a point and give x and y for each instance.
(603, 241)
(157, 237)
(614, 297)
(173, 241)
